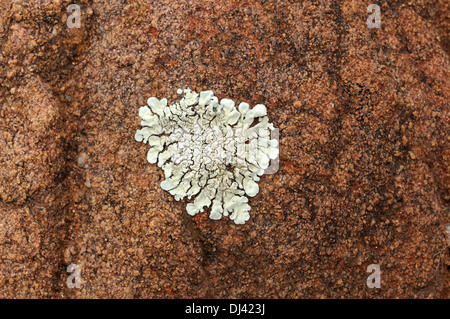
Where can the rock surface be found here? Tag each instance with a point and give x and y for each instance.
(364, 149)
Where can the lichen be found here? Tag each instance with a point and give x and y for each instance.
(210, 150)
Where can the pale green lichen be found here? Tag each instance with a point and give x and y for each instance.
(209, 150)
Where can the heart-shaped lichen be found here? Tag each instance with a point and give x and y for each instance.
(209, 150)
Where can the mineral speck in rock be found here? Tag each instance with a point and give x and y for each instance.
(82, 159)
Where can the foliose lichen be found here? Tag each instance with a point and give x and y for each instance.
(209, 149)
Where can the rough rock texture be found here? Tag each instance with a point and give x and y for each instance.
(364, 149)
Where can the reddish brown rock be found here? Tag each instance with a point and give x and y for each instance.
(364, 149)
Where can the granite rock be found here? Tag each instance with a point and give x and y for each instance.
(364, 128)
